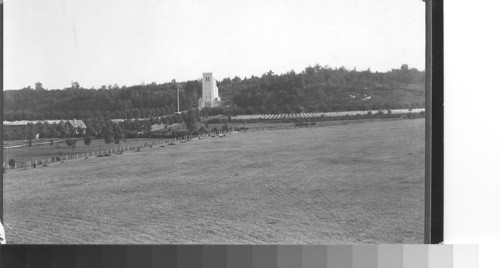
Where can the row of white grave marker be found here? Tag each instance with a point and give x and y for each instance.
(119, 150)
(327, 114)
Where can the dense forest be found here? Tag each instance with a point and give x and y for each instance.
(317, 88)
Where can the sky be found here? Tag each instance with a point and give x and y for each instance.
(124, 42)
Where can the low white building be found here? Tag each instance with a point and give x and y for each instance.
(79, 125)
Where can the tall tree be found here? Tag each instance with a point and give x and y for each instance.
(87, 140)
(118, 133)
(190, 120)
(38, 86)
(107, 133)
(31, 133)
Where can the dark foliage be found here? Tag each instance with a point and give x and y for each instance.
(71, 143)
(318, 88)
(323, 89)
(140, 101)
(190, 118)
(87, 140)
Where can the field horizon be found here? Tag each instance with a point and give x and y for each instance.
(342, 184)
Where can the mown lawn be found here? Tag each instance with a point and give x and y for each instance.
(354, 183)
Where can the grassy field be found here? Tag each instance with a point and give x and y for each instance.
(354, 183)
(254, 126)
(45, 151)
(37, 152)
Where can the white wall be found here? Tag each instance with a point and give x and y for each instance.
(472, 135)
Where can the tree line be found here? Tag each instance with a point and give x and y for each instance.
(97, 128)
(315, 89)
(323, 89)
(112, 102)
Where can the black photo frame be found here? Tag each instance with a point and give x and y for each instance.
(434, 191)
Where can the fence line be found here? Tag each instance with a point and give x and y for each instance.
(109, 151)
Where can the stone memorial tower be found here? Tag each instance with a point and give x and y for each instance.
(210, 92)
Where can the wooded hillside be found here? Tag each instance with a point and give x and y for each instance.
(317, 88)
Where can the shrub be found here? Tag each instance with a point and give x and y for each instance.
(177, 134)
(87, 140)
(12, 162)
(71, 143)
(202, 130)
(217, 121)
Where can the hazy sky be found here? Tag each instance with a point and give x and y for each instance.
(102, 42)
